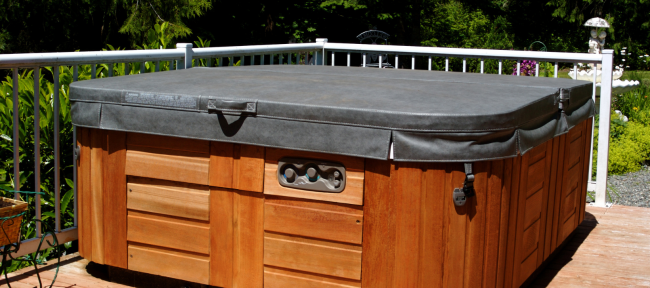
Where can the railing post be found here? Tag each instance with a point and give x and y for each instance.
(592, 184)
(603, 129)
(322, 60)
(187, 49)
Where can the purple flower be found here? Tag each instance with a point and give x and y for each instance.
(526, 68)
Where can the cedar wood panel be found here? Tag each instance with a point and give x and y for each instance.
(525, 207)
(413, 235)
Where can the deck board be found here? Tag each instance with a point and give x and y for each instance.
(609, 249)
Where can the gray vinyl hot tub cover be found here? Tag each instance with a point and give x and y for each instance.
(427, 116)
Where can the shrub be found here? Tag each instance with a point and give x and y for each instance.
(634, 102)
(630, 149)
(624, 157)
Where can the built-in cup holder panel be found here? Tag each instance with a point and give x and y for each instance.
(311, 174)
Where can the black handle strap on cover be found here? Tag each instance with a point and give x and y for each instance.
(232, 106)
(468, 185)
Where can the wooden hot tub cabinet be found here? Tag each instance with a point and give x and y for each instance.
(214, 213)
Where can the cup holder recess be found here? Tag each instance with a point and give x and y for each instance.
(311, 174)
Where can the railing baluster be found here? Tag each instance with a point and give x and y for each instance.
(482, 62)
(57, 161)
(412, 62)
(110, 70)
(75, 72)
(262, 59)
(364, 60)
(536, 69)
(230, 60)
(16, 131)
(556, 64)
(446, 64)
(429, 62)
(348, 59)
(37, 149)
(518, 67)
(332, 58)
(93, 71)
(243, 60)
(575, 71)
(157, 66)
(74, 166)
(464, 64)
(272, 59)
(220, 60)
(396, 61)
(127, 69)
(380, 61)
(500, 64)
(143, 67)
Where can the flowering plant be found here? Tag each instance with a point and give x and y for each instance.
(527, 68)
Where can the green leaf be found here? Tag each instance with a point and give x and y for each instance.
(66, 199)
(48, 214)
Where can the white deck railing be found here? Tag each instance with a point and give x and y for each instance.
(310, 53)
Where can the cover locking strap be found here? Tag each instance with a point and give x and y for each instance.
(562, 99)
(239, 106)
(468, 186)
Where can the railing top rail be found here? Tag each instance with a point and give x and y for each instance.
(466, 52)
(25, 60)
(76, 58)
(254, 49)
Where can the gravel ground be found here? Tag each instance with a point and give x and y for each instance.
(632, 189)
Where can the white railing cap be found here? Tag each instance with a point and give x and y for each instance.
(25, 60)
(255, 49)
(466, 52)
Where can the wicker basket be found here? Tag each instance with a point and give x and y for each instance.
(10, 207)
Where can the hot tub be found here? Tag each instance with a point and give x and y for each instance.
(313, 176)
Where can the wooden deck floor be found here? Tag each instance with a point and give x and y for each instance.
(611, 248)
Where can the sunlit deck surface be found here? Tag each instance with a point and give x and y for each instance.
(611, 248)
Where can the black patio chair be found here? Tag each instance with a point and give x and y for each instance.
(375, 37)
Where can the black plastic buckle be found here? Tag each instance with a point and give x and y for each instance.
(460, 195)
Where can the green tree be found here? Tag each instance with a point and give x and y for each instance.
(143, 14)
(59, 25)
(630, 24)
